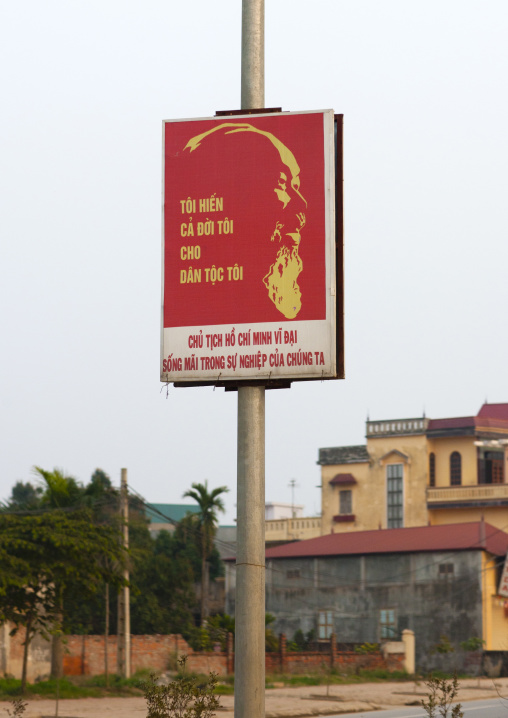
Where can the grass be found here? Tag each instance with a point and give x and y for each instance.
(336, 678)
(75, 687)
(95, 686)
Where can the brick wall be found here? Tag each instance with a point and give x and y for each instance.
(283, 661)
(84, 655)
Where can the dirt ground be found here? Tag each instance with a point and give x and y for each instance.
(280, 702)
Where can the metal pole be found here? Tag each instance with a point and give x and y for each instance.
(250, 562)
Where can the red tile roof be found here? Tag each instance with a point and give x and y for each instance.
(490, 416)
(449, 537)
(343, 479)
(494, 411)
(460, 422)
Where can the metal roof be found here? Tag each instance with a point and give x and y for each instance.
(450, 537)
(170, 512)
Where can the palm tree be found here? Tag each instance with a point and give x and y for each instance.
(209, 503)
(61, 492)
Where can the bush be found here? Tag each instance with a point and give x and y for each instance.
(185, 696)
(441, 694)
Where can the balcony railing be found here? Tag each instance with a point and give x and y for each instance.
(304, 527)
(483, 493)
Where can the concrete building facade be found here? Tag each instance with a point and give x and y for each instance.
(370, 586)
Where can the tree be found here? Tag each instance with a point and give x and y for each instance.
(60, 491)
(162, 587)
(51, 551)
(209, 504)
(24, 497)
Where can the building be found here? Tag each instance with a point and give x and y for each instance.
(164, 517)
(419, 471)
(368, 586)
(286, 522)
(276, 511)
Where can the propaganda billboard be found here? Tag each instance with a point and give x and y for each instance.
(249, 252)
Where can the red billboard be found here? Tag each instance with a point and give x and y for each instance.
(249, 248)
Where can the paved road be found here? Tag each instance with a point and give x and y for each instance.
(493, 708)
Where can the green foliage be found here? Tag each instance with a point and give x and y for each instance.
(334, 677)
(162, 596)
(441, 694)
(301, 641)
(50, 552)
(24, 497)
(185, 697)
(162, 573)
(75, 686)
(367, 648)
(444, 646)
(163, 570)
(271, 641)
(217, 629)
(298, 642)
(187, 543)
(472, 644)
(60, 491)
(209, 503)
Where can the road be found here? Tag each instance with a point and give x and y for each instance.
(492, 708)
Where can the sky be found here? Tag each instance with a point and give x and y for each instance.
(84, 88)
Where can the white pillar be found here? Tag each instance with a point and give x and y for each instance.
(408, 639)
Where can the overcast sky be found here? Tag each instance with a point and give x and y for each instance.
(84, 87)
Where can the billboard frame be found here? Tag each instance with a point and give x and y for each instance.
(232, 383)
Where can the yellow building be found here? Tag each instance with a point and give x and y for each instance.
(298, 529)
(419, 471)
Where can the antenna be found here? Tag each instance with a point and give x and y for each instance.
(292, 484)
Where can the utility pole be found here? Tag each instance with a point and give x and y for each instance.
(124, 612)
(250, 561)
(293, 485)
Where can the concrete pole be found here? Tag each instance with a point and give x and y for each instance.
(250, 562)
(124, 612)
(253, 54)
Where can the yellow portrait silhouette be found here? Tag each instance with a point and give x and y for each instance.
(281, 279)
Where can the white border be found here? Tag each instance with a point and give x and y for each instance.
(316, 335)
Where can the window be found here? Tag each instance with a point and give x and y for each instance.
(432, 469)
(293, 573)
(387, 626)
(395, 508)
(446, 570)
(325, 625)
(491, 467)
(346, 501)
(455, 469)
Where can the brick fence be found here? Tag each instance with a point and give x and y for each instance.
(85, 655)
(284, 661)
